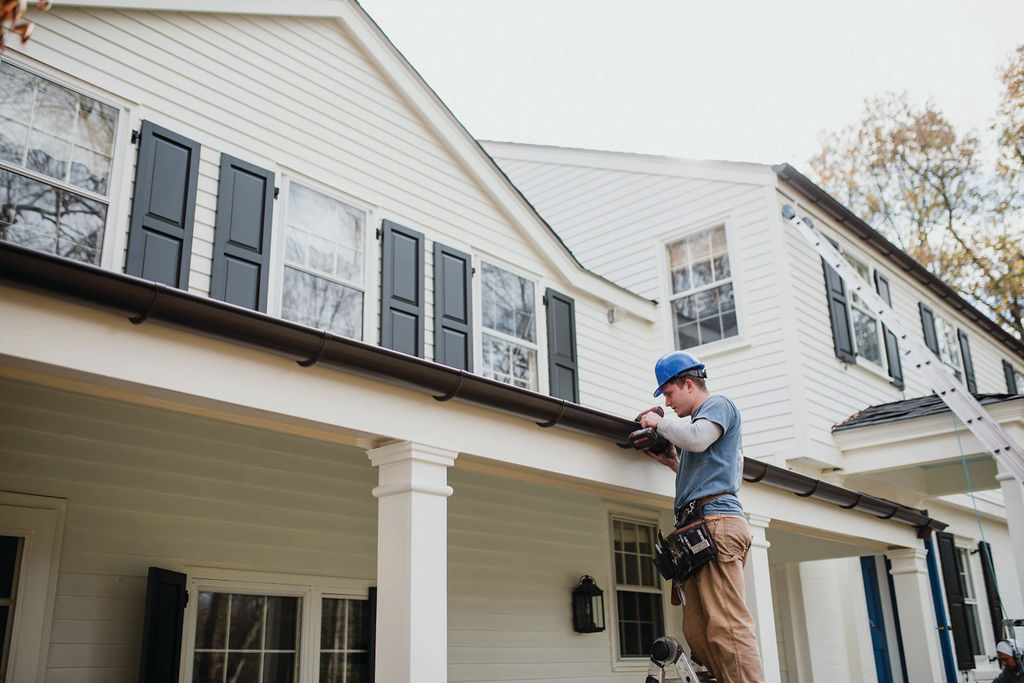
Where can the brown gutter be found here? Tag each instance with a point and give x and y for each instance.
(141, 301)
(843, 215)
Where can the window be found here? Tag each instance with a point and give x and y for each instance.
(56, 151)
(949, 347)
(963, 561)
(10, 562)
(509, 339)
(638, 596)
(324, 249)
(263, 636)
(866, 328)
(700, 276)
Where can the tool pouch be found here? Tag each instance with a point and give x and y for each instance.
(686, 550)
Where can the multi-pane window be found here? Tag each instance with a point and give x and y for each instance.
(963, 565)
(703, 304)
(949, 347)
(867, 331)
(10, 560)
(56, 152)
(248, 638)
(637, 587)
(344, 641)
(509, 338)
(323, 262)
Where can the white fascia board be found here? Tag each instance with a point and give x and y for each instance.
(725, 171)
(293, 8)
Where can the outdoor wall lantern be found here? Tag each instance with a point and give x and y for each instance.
(587, 606)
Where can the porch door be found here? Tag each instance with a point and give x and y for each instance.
(876, 618)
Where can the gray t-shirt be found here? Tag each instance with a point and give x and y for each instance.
(719, 469)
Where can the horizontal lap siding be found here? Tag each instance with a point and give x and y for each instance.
(516, 551)
(152, 487)
(616, 222)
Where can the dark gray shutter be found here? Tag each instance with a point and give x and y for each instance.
(161, 631)
(563, 369)
(953, 582)
(995, 605)
(453, 306)
(163, 207)
(401, 301)
(371, 628)
(838, 312)
(965, 356)
(892, 347)
(931, 340)
(1011, 381)
(241, 241)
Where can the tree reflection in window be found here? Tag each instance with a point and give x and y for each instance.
(507, 308)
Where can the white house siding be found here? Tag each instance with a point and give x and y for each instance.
(616, 215)
(152, 487)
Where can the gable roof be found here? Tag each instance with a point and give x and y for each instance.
(859, 227)
(424, 101)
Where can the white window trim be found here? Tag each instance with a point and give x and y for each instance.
(311, 589)
(371, 251)
(115, 229)
(941, 320)
(668, 316)
(539, 312)
(638, 516)
(40, 521)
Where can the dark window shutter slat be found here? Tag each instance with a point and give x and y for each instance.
(965, 356)
(563, 368)
(401, 303)
(995, 605)
(953, 583)
(1011, 380)
(372, 630)
(892, 347)
(162, 628)
(241, 243)
(839, 314)
(453, 306)
(163, 207)
(931, 340)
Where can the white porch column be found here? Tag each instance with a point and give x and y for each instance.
(758, 586)
(917, 615)
(412, 562)
(1013, 499)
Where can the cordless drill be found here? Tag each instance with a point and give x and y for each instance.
(648, 439)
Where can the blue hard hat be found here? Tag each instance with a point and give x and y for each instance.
(676, 363)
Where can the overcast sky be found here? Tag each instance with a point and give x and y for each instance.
(738, 80)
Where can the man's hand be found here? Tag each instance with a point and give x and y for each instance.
(669, 458)
(650, 419)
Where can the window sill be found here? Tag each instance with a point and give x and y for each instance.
(720, 347)
(631, 665)
(868, 367)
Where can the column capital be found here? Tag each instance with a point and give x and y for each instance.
(758, 520)
(908, 560)
(411, 450)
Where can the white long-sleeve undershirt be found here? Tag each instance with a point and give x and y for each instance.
(693, 436)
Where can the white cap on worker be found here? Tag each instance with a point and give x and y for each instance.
(1007, 647)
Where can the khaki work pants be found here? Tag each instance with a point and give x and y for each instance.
(716, 622)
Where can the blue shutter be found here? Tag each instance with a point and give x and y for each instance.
(965, 356)
(241, 246)
(163, 207)
(892, 347)
(401, 303)
(453, 307)
(563, 369)
(162, 627)
(931, 340)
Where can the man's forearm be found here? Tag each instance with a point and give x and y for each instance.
(695, 436)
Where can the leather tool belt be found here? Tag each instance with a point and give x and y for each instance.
(687, 549)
